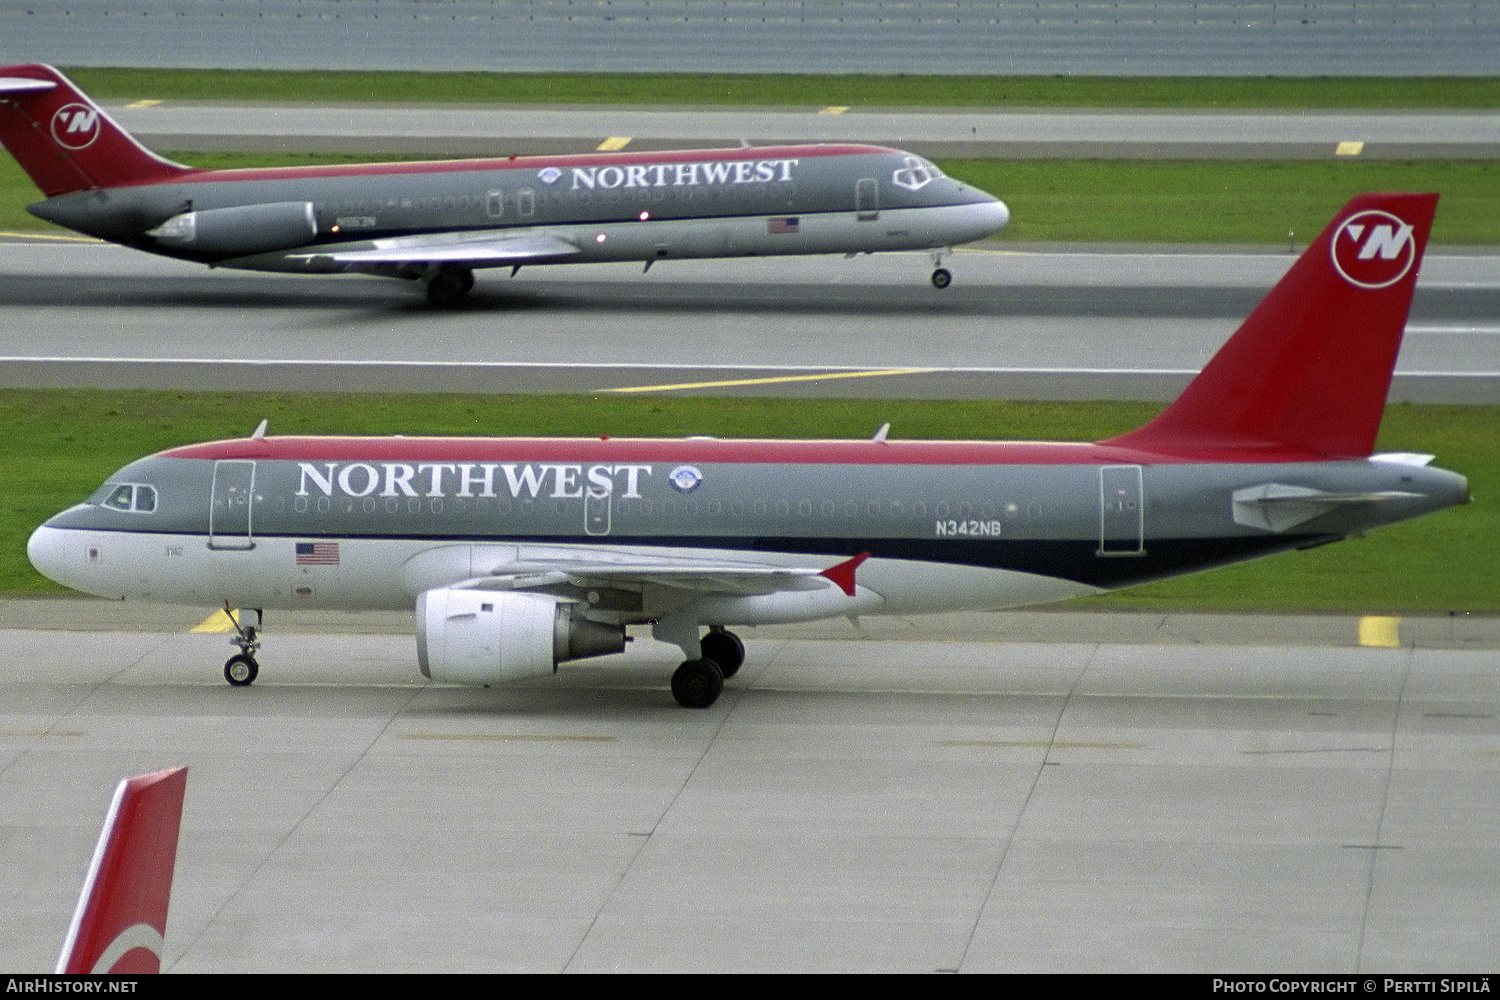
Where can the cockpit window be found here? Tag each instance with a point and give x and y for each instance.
(131, 497)
(121, 498)
(915, 174)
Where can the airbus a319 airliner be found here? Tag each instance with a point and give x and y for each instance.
(519, 555)
(437, 222)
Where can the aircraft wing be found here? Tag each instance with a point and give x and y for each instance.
(489, 250)
(740, 579)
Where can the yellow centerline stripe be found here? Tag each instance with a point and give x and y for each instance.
(614, 142)
(772, 381)
(48, 236)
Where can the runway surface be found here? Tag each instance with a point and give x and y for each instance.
(1164, 37)
(1026, 324)
(970, 793)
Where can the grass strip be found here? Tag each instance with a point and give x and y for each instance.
(792, 90)
(58, 445)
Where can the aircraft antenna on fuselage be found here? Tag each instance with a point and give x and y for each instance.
(260, 430)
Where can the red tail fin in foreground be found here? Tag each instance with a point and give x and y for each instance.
(122, 914)
(62, 139)
(1309, 370)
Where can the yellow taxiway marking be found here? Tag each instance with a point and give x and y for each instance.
(142, 104)
(48, 236)
(614, 142)
(1349, 149)
(1379, 630)
(216, 622)
(834, 110)
(772, 380)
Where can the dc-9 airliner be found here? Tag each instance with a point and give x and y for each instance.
(437, 222)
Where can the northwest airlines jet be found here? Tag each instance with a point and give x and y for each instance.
(519, 555)
(438, 222)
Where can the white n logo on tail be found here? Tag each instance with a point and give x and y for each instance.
(75, 126)
(1373, 249)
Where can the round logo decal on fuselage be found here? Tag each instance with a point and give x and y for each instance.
(1373, 249)
(75, 126)
(685, 478)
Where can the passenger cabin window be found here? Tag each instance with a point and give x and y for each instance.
(132, 497)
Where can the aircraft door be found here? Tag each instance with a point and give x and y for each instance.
(1122, 511)
(866, 199)
(230, 510)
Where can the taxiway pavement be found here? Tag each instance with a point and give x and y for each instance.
(1098, 793)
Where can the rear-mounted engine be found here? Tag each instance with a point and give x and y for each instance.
(240, 231)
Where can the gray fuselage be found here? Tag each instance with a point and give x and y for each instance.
(947, 525)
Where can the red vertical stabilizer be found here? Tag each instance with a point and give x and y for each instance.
(1307, 373)
(64, 142)
(121, 919)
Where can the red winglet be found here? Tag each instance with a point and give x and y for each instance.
(122, 914)
(843, 573)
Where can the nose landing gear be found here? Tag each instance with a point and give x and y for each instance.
(241, 669)
(941, 276)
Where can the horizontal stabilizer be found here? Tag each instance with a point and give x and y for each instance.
(1277, 507)
(23, 85)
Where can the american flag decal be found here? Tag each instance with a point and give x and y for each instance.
(783, 224)
(317, 553)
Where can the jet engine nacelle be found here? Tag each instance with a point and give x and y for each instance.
(488, 637)
(240, 231)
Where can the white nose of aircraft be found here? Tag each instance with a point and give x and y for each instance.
(980, 219)
(44, 551)
(998, 214)
(62, 557)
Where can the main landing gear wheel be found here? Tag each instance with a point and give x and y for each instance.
(725, 649)
(449, 285)
(942, 278)
(697, 683)
(241, 670)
